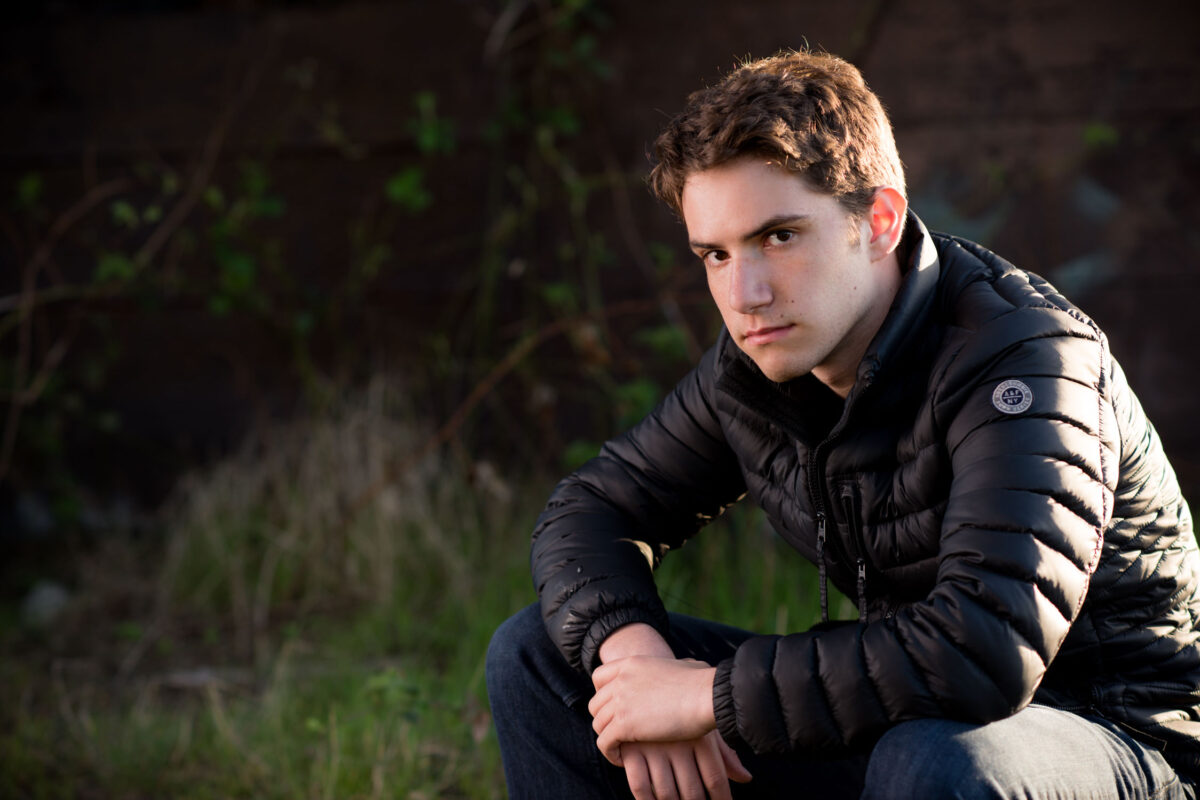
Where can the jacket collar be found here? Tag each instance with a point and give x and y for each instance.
(899, 335)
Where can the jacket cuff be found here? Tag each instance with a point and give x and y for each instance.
(602, 628)
(724, 708)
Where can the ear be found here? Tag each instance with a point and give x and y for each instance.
(885, 218)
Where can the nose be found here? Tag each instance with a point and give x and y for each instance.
(749, 284)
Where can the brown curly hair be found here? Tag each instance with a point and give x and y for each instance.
(811, 112)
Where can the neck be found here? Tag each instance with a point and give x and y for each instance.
(840, 370)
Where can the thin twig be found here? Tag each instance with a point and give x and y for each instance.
(27, 299)
(54, 357)
(204, 169)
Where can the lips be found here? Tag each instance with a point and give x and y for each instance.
(766, 335)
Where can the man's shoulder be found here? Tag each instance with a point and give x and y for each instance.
(979, 289)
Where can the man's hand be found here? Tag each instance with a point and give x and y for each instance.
(683, 767)
(644, 699)
(682, 770)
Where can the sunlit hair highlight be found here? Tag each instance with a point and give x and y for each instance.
(810, 112)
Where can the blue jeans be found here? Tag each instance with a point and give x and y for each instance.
(539, 704)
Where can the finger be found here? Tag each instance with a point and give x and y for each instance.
(711, 764)
(599, 699)
(688, 780)
(637, 774)
(603, 674)
(733, 765)
(610, 747)
(602, 719)
(662, 776)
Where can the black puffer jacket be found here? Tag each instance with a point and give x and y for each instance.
(1043, 549)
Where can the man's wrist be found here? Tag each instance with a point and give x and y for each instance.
(634, 639)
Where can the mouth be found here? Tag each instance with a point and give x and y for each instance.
(765, 335)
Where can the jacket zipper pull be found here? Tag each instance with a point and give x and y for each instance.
(862, 589)
(821, 579)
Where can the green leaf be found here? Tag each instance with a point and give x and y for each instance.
(663, 256)
(238, 272)
(214, 198)
(254, 179)
(578, 452)
(219, 305)
(1097, 135)
(562, 296)
(634, 400)
(152, 214)
(29, 189)
(433, 134)
(129, 631)
(426, 102)
(271, 206)
(113, 267)
(563, 120)
(123, 213)
(667, 341)
(407, 189)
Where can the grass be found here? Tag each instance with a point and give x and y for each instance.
(313, 624)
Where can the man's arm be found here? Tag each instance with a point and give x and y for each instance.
(607, 526)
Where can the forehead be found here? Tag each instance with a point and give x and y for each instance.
(735, 197)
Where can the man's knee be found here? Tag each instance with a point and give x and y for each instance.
(929, 758)
(509, 651)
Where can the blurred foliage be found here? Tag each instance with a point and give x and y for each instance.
(210, 234)
(286, 648)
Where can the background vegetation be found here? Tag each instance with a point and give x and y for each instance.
(285, 646)
(305, 306)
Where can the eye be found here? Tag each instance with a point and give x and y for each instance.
(714, 258)
(779, 237)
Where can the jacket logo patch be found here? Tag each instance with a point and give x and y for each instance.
(1012, 397)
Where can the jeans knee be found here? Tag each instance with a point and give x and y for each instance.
(507, 643)
(928, 758)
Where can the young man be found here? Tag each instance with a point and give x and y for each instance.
(943, 434)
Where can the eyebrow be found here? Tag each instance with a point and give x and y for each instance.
(768, 224)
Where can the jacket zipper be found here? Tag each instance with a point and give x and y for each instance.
(855, 550)
(822, 577)
(860, 561)
(816, 491)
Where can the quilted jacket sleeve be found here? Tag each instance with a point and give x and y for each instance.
(608, 525)
(1028, 497)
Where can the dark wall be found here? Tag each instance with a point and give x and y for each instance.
(1064, 135)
